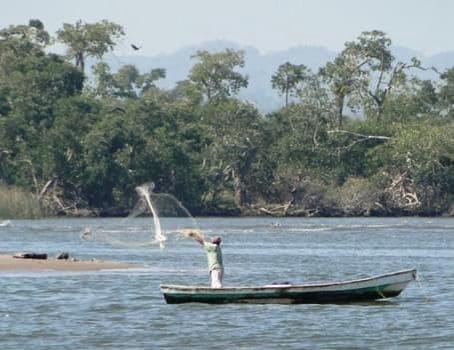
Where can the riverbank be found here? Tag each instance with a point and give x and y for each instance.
(11, 264)
(275, 210)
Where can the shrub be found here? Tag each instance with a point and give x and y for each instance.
(18, 204)
(357, 196)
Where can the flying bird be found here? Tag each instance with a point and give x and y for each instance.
(135, 47)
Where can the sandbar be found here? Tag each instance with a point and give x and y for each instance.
(9, 263)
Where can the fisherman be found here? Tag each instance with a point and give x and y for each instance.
(214, 255)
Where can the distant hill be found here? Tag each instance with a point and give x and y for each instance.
(260, 67)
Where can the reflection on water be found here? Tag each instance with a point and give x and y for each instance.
(107, 310)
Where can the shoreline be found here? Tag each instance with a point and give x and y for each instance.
(11, 264)
(219, 215)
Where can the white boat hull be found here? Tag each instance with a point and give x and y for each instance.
(371, 288)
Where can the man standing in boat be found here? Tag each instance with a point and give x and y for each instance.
(214, 255)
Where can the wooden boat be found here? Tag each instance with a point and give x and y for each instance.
(364, 289)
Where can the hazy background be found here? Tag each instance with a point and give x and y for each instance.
(269, 25)
(270, 31)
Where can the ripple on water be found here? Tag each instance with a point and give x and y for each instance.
(124, 309)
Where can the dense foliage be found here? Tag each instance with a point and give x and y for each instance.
(82, 146)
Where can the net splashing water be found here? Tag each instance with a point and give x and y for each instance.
(170, 219)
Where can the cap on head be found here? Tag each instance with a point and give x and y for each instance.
(216, 240)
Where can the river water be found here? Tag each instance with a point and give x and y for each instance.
(125, 310)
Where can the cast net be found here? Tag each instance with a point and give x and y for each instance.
(170, 222)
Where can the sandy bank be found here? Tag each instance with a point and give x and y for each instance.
(9, 263)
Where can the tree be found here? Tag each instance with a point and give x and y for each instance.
(18, 43)
(235, 132)
(414, 100)
(386, 82)
(127, 82)
(32, 83)
(104, 84)
(300, 146)
(215, 73)
(419, 167)
(147, 81)
(344, 76)
(312, 113)
(89, 40)
(65, 148)
(372, 51)
(365, 74)
(350, 73)
(288, 78)
(382, 75)
(447, 92)
(23, 39)
(187, 92)
(33, 86)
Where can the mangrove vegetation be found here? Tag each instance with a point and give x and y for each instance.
(361, 136)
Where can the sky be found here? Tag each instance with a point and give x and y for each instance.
(164, 26)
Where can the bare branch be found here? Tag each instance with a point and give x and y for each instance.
(361, 137)
(46, 188)
(379, 137)
(33, 173)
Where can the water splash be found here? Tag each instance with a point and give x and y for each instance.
(171, 221)
(144, 191)
(5, 223)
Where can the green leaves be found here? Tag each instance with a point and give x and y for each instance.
(215, 73)
(288, 78)
(447, 93)
(217, 153)
(89, 39)
(128, 82)
(418, 166)
(23, 40)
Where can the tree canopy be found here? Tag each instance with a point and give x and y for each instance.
(83, 144)
(216, 75)
(88, 40)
